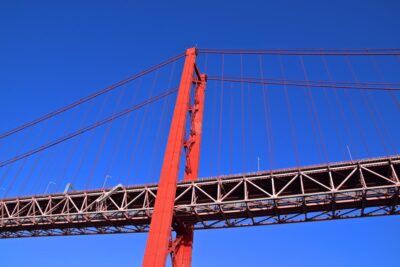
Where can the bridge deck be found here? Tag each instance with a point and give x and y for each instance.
(324, 192)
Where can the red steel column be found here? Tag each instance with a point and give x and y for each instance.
(193, 154)
(160, 228)
(183, 254)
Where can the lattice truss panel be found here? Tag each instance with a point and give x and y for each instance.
(337, 191)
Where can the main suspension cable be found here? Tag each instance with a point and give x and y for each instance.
(89, 97)
(305, 52)
(88, 128)
(311, 83)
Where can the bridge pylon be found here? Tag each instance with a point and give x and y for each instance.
(159, 243)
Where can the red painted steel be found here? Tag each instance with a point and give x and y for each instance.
(193, 144)
(182, 256)
(369, 188)
(157, 247)
(332, 191)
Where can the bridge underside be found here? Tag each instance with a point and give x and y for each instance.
(324, 192)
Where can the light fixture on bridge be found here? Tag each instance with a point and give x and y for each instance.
(48, 185)
(109, 193)
(68, 187)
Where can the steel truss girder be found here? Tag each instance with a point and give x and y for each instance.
(337, 191)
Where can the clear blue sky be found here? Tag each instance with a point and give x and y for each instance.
(54, 53)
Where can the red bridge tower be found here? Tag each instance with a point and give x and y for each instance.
(159, 243)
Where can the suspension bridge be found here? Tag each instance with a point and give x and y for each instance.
(210, 139)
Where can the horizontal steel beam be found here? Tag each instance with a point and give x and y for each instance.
(324, 192)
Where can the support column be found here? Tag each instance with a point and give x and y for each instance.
(182, 256)
(157, 246)
(194, 142)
